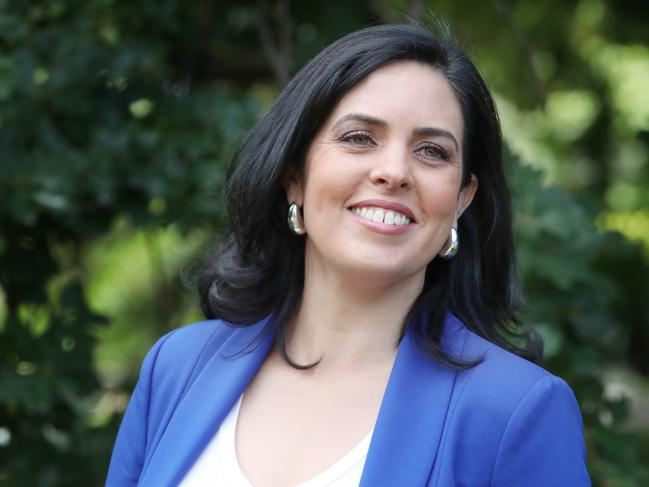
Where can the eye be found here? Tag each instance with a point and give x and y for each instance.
(433, 152)
(358, 138)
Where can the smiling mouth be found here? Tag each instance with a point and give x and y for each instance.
(381, 215)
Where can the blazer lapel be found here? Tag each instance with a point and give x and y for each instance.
(222, 374)
(406, 435)
(412, 415)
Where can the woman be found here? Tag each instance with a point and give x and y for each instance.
(367, 341)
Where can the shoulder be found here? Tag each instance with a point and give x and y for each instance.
(531, 416)
(164, 376)
(504, 386)
(176, 356)
(182, 352)
(518, 415)
(504, 383)
(188, 341)
(501, 375)
(177, 359)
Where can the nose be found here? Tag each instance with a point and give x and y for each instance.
(391, 170)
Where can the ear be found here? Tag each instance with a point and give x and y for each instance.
(466, 196)
(293, 187)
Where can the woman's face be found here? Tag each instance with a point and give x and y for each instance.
(380, 188)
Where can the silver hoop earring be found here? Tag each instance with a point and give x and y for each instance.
(295, 219)
(452, 244)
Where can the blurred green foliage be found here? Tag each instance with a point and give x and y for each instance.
(118, 120)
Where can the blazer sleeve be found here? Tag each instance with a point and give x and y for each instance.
(127, 460)
(543, 443)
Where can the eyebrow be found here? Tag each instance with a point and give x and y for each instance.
(360, 117)
(436, 132)
(377, 122)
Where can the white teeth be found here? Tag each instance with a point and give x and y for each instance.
(380, 215)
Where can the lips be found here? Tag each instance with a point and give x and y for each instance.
(380, 215)
(386, 212)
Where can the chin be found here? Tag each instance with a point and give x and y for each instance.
(381, 271)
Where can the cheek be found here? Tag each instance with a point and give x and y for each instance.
(439, 196)
(329, 180)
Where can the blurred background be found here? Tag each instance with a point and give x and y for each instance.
(117, 123)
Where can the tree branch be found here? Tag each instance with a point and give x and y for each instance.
(415, 10)
(277, 52)
(523, 39)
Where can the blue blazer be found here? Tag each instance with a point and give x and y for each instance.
(505, 422)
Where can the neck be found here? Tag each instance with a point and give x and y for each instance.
(342, 321)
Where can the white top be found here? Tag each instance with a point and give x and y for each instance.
(218, 464)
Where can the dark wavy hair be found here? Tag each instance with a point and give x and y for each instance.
(258, 267)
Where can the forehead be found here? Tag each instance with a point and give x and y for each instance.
(405, 92)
